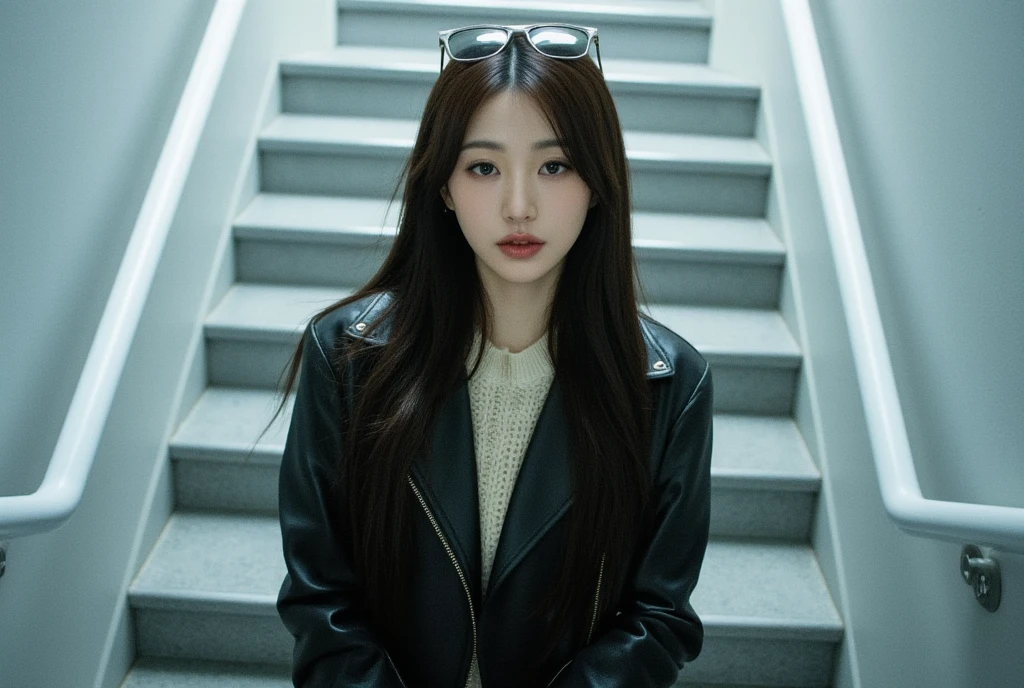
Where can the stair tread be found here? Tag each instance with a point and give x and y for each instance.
(153, 672)
(717, 332)
(268, 311)
(219, 561)
(750, 451)
(323, 219)
(689, 12)
(225, 422)
(683, 77)
(277, 312)
(312, 133)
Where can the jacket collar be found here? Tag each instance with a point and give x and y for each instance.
(658, 363)
(542, 493)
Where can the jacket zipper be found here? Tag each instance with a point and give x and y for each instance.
(458, 569)
(597, 596)
(392, 663)
(593, 619)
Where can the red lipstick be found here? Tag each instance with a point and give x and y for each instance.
(520, 238)
(520, 245)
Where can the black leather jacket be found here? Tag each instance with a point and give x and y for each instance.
(645, 643)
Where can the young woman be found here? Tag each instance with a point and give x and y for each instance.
(497, 470)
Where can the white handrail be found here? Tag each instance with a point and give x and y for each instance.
(61, 490)
(998, 526)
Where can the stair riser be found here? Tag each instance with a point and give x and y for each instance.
(739, 388)
(672, 276)
(400, 97)
(231, 484)
(766, 390)
(762, 513)
(651, 40)
(212, 636)
(172, 673)
(226, 486)
(716, 189)
(763, 661)
(264, 639)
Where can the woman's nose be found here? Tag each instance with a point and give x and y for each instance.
(520, 199)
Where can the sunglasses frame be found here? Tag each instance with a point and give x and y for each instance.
(513, 29)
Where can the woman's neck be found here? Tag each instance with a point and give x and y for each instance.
(519, 313)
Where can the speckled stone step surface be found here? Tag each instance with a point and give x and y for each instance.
(363, 156)
(172, 673)
(255, 327)
(687, 259)
(763, 481)
(208, 591)
(394, 82)
(377, 61)
(342, 220)
(644, 29)
(325, 134)
(150, 672)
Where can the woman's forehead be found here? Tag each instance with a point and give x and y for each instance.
(510, 119)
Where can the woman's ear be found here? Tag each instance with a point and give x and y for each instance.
(593, 200)
(446, 197)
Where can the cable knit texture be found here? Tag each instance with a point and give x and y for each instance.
(506, 395)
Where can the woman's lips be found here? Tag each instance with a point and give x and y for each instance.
(520, 245)
(520, 238)
(520, 250)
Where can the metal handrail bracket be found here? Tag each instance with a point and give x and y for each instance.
(998, 526)
(62, 487)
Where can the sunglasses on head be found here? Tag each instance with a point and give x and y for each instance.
(562, 41)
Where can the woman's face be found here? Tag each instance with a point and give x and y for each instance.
(512, 178)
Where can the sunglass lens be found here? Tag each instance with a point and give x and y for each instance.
(473, 44)
(560, 41)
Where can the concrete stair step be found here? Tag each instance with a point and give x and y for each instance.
(253, 330)
(208, 592)
(763, 481)
(363, 157)
(646, 29)
(688, 259)
(393, 82)
(149, 672)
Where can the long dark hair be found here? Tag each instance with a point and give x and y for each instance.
(595, 343)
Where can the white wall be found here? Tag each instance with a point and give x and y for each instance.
(930, 104)
(929, 101)
(88, 93)
(928, 98)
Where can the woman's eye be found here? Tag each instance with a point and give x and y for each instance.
(484, 166)
(486, 169)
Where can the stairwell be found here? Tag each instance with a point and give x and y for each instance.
(203, 602)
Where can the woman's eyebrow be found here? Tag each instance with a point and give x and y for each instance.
(494, 145)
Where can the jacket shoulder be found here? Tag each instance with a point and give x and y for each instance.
(689, 368)
(333, 328)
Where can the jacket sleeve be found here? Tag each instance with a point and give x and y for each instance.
(657, 630)
(317, 602)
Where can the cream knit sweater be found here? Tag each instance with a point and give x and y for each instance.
(506, 395)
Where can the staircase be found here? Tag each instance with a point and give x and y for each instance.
(204, 601)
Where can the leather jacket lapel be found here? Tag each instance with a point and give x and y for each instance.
(448, 483)
(542, 492)
(540, 497)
